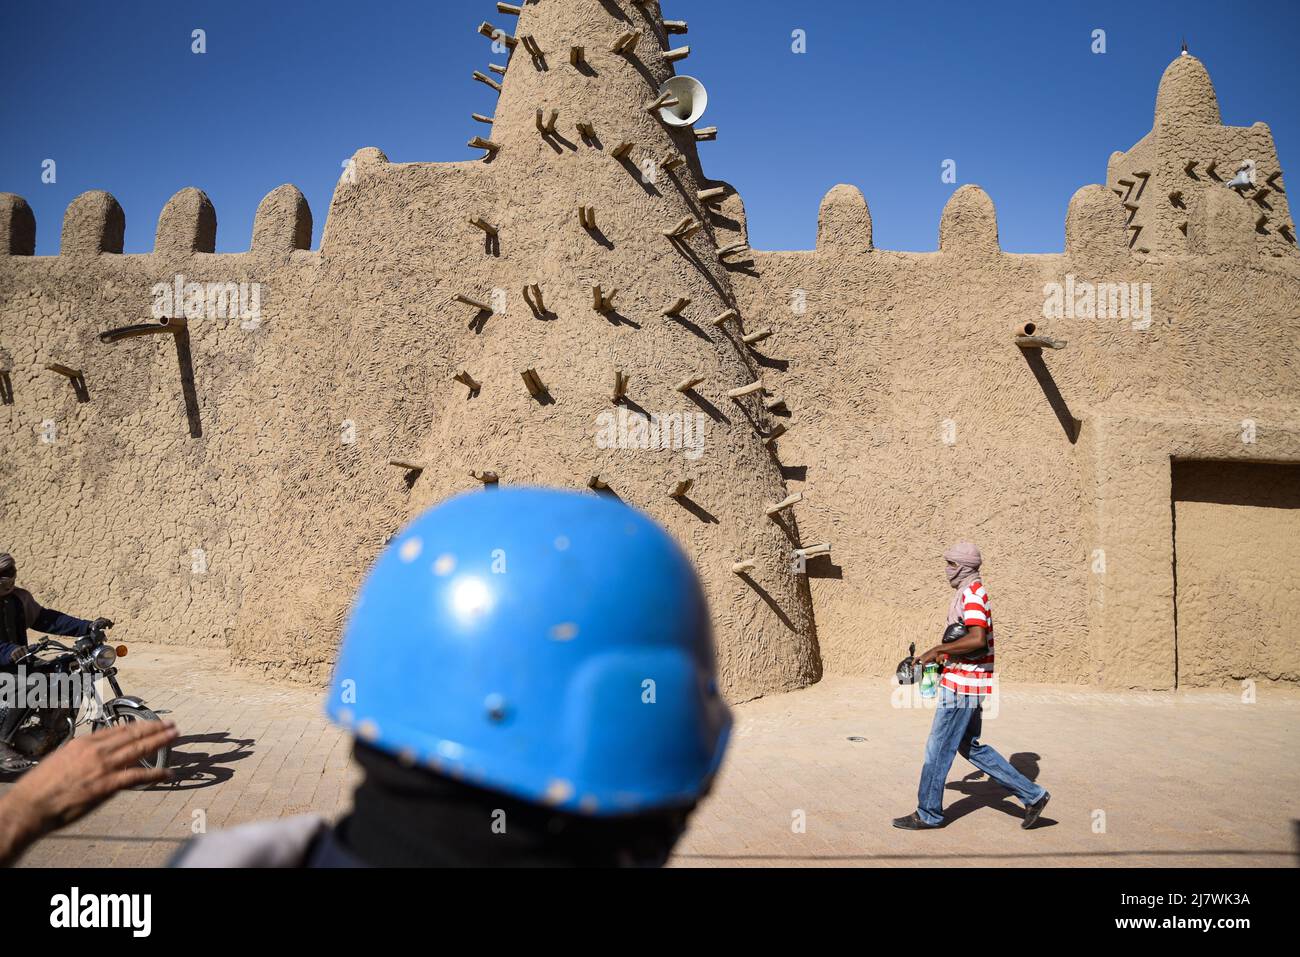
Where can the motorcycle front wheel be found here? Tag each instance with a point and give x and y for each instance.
(125, 715)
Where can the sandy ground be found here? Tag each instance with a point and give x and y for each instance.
(1191, 778)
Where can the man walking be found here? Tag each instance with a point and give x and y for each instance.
(967, 678)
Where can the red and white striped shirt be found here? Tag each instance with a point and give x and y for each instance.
(972, 675)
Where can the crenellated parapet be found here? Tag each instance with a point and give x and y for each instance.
(94, 224)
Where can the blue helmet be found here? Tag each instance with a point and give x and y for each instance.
(553, 645)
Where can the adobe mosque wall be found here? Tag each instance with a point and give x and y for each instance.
(227, 483)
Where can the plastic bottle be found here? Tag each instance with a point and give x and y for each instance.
(930, 681)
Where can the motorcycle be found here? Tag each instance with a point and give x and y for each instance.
(76, 677)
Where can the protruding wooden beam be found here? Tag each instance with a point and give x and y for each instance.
(484, 78)
(681, 53)
(533, 296)
(813, 551)
(597, 484)
(409, 466)
(481, 118)
(685, 229)
(708, 133)
(709, 195)
(622, 150)
(510, 9)
(732, 250)
(741, 391)
(756, 337)
(546, 124)
(534, 383)
(744, 567)
(621, 380)
(586, 128)
(65, 371)
(492, 33)
(530, 44)
(776, 404)
(479, 143)
(626, 42)
(662, 100)
(686, 385)
(682, 488)
(587, 216)
(484, 225)
(729, 314)
(675, 310)
(778, 430)
(487, 478)
(472, 302)
(601, 301)
(467, 380)
(676, 26)
(788, 502)
(672, 161)
(497, 69)
(577, 55)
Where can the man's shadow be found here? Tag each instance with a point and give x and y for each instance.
(982, 791)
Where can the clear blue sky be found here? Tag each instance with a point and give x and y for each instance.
(886, 92)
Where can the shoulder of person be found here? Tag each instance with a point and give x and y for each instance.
(31, 607)
(285, 842)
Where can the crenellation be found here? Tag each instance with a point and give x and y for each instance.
(283, 222)
(1095, 225)
(94, 224)
(17, 226)
(187, 225)
(844, 222)
(969, 226)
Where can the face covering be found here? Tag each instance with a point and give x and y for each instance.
(8, 573)
(966, 557)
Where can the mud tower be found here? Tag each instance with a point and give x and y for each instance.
(608, 350)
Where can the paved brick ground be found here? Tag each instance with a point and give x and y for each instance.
(1136, 779)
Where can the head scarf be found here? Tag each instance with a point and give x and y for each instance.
(967, 558)
(8, 569)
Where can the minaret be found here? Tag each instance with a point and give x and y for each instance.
(1173, 182)
(609, 353)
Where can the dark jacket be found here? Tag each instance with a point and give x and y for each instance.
(19, 611)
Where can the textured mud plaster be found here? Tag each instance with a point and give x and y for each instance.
(229, 484)
(1237, 526)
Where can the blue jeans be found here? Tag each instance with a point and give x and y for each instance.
(956, 730)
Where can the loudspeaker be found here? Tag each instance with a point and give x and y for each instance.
(692, 98)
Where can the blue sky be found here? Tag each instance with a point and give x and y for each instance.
(885, 93)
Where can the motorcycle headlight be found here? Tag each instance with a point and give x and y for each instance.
(105, 655)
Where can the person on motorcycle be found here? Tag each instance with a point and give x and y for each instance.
(19, 611)
(530, 679)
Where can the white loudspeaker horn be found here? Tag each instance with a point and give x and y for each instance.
(692, 100)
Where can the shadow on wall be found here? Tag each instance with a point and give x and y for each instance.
(1044, 376)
